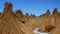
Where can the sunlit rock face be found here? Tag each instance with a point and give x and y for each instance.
(18, 23)
(11, 24)
(20, 16)
(44, 21)
(56, 17)
(48, 21)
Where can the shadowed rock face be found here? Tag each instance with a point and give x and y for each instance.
(7, 7)
(55, 11)
(55, 30)
(47, 13)
(19, 13)
(18, 23)
(20, 16)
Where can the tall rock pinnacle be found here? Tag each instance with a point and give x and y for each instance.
(19, 13)
(47, 13)
(7, 10)
(7, 7)
(18, 23)
(55, 11)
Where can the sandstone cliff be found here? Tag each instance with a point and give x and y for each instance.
(18, 23)
(11, 24)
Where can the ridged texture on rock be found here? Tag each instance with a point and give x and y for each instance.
(18, 23)
(10, 23)
(55, 30)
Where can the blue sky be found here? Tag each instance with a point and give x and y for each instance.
(36, 7)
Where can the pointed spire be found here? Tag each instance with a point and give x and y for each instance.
(48, 12)
(19, 13)
(55, 11)
(7, 7)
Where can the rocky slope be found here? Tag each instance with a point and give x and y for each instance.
(18, 23)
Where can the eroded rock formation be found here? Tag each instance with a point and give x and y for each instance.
(18, 23)
(11, 24)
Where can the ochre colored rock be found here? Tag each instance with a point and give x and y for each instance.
(7, 7)
(18, 23)
(55, 17)
(20, 16)
(19, 13)
(10, 24)
(55, 30)
(44, 21)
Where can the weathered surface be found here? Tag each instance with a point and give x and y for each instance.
(55, 30)
(11, 24)
(20, 16)
(18, 23)
(44, 21)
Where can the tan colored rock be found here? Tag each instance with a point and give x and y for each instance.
(44, 21)
(20, 16)
(53, 21)
(55, 12)
(55, 30)
(10, 24)
(27, 16)
(7, 7)
(47, 13)
(31, 23)
(18, 23)
(55, 17)
(19, 13)
(7, 20)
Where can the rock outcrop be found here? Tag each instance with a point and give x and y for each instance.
(44, 21)
(18, 23)
(55, 30)
(20, 16)
(11, 24)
